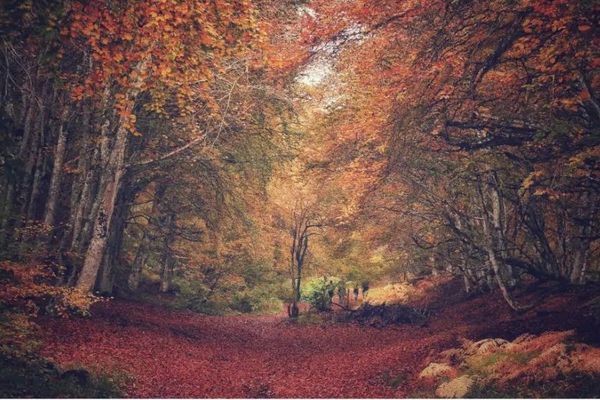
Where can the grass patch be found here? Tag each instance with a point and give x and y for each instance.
(524, 357)
(482, 365)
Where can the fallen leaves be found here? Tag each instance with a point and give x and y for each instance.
(181, 354)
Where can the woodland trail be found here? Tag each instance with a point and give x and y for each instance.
(181, 354)
(185, 355)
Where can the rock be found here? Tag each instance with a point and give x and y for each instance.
(435, 370)
(457, 387)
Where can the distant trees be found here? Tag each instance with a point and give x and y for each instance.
(145, 135)
(491, 118)
(126, 128)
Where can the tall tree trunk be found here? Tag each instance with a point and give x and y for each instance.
(166, 274)
(582, 243)
(87, 210)
(8, 215)
(105, 280)
(57, 170)
(110, 182)
(82, 185)
(109, 186)
(491, 244)
(167, 262)
(35, 163)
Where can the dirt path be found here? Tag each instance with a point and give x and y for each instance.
(171, 354)
(179, 354)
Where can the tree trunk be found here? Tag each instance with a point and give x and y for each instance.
(106, 280)
(110, 182)
(166, 275)
(490, 247)
(8, 215)
(57, 171)
(109, 186)
(167, 262)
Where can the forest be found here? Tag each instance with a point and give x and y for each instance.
(299, 198)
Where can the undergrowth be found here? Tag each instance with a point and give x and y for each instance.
(32, 376)
(572, 385)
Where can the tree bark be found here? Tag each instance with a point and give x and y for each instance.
(167, 263)
(110, 182)
(57, 171)
(106, 279)
(109, 186)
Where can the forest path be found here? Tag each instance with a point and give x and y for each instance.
(182, 354)
(178, 354)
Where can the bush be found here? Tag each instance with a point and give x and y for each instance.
(27, 290)
(30, 376)
(319, 292)
(255, 300)
(195, 296)
(571, 385)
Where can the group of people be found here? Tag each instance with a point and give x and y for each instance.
(343, 291)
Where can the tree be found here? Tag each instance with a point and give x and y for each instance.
(305, 224)
(483, 106)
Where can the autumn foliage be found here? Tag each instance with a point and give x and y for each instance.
(222, 156)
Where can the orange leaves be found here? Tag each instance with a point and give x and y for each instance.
(119, 37)
(163, 70)
(30, 287)
(168, 46)
(118, 56)
(205, 39)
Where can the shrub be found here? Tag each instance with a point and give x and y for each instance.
(27, 290)
(319, 292)
(31, 376)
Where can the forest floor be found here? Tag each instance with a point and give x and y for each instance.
(180, 354)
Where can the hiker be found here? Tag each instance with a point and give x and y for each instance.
(365, 288)
(341, 289)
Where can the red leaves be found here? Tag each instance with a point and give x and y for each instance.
(179, 354)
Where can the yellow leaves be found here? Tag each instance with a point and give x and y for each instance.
(530, 179)
(548, 192)
(576, 161)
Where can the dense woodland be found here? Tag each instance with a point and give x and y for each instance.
(237, 156)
